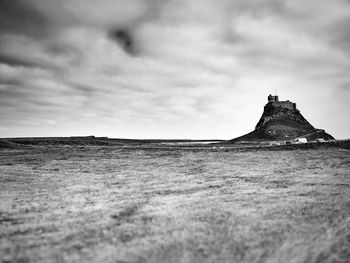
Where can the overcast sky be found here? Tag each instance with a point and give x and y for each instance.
(170, 68)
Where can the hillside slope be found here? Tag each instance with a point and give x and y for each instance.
(281, 123)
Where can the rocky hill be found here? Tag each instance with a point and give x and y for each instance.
(282, 121)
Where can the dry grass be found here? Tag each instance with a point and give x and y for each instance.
(110, 204)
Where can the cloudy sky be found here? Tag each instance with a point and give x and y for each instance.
(170, 68)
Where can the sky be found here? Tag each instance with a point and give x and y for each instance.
(185, 69)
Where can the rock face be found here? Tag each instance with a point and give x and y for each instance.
(282, 121)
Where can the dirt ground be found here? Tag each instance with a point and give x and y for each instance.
(120, 204)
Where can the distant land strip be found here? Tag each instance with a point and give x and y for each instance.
(102, 141)
(163, 143)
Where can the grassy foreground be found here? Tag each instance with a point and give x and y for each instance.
(116, 204)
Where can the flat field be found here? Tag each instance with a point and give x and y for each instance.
(175, 204)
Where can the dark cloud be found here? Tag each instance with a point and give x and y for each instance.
(15, 61)
(18, 16)
(10, 82)
(124, 38)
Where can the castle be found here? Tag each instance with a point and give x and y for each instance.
(282, 121)
(273, 101)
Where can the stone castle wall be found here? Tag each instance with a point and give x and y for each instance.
(284, 104)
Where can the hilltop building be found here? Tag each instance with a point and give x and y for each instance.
(282, 121)
(272, 98)
(274, 101)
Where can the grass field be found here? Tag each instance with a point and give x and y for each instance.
(120, 204)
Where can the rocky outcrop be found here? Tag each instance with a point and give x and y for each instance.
(282, 123)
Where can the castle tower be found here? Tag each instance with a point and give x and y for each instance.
(272, 98)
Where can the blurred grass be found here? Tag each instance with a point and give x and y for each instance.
(116, 204)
